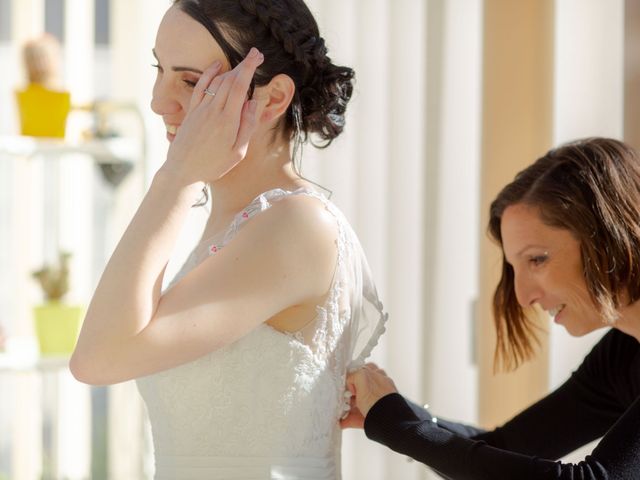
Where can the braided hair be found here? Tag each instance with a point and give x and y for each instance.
(287, 34)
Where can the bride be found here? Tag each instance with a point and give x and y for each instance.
(242, 360)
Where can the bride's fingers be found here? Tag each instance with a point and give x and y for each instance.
(212, 90)
(242, 80)
(226, 86)
(221, 85)
(248, 123)
(203, 82)
(232, 85)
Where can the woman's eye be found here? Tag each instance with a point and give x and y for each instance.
(538, 260)
(190, 83)
(157, 67)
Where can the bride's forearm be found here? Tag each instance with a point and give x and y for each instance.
(128, 292)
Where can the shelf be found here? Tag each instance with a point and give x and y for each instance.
(30, 363)
(108, 150)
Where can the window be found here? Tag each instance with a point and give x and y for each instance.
(102, 23)
(54, 18)
(5, 21)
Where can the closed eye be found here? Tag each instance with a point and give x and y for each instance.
(538, 260)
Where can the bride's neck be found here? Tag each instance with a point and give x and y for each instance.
(262, 169)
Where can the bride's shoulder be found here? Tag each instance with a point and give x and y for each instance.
(304, 217)
(295, 238)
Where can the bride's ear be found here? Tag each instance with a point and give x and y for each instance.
(276, 97)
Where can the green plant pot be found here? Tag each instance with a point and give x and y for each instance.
(57, 327)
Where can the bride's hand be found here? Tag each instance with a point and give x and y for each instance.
(215, 133)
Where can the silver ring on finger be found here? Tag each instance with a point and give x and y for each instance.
(209, 92)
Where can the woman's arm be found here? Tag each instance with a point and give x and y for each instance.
(392, 422)
(282, 257)
(586, 407)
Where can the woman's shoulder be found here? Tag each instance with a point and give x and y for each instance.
(304, 215)
(616, 341)
(290, 221)
(613, 357)
(296, 233)
(303, 209)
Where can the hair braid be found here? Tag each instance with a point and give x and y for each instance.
(305, 47)
(286, 32)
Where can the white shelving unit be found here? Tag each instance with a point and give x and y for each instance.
(53, 196)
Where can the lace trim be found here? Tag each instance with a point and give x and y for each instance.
(259, 204)
(381, 327)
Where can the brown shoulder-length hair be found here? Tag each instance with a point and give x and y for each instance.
(591, 188)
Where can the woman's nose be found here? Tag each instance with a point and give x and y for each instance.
(528, 291)
(163, 102)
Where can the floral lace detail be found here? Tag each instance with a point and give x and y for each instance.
(271, 393)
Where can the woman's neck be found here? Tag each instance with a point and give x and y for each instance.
(262, 169)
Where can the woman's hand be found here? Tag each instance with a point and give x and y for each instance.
(368, 385)
(215, 133)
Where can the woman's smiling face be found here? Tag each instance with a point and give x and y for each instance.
(184, 49)
(548, 270)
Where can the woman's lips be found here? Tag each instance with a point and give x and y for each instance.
(171, 131)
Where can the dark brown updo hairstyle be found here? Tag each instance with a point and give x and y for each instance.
(591, 188)
(287, 34)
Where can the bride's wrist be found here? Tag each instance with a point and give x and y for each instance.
(174, 184)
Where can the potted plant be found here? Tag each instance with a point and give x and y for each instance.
(57, 323)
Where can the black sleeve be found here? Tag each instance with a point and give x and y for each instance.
(579, 411)
(393, 422)
(586, 407)
(461, 429)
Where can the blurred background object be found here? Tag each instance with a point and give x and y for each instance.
(57, 323)
(43, 105)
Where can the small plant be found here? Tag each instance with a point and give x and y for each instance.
(54, 280)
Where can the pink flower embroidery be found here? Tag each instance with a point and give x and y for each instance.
(214, 249)
(245, 215)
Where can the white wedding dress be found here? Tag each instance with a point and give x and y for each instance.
(268, 405)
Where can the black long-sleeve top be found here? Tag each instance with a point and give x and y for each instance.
(600, 399)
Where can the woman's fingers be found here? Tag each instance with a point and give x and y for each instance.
(242, 80)
(248, 123)
(203, 82)
(220, 86)
(353, 420)
(230, 89)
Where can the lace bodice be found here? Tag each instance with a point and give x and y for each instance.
(270, 401)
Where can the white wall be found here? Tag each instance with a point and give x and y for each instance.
(588, 101)
(452, 204)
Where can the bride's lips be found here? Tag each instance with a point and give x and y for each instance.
(171, 131)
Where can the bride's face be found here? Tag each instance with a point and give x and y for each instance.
(184, 49)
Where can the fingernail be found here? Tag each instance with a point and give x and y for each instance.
(253, 104)
(216, 65)
(253, 52)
